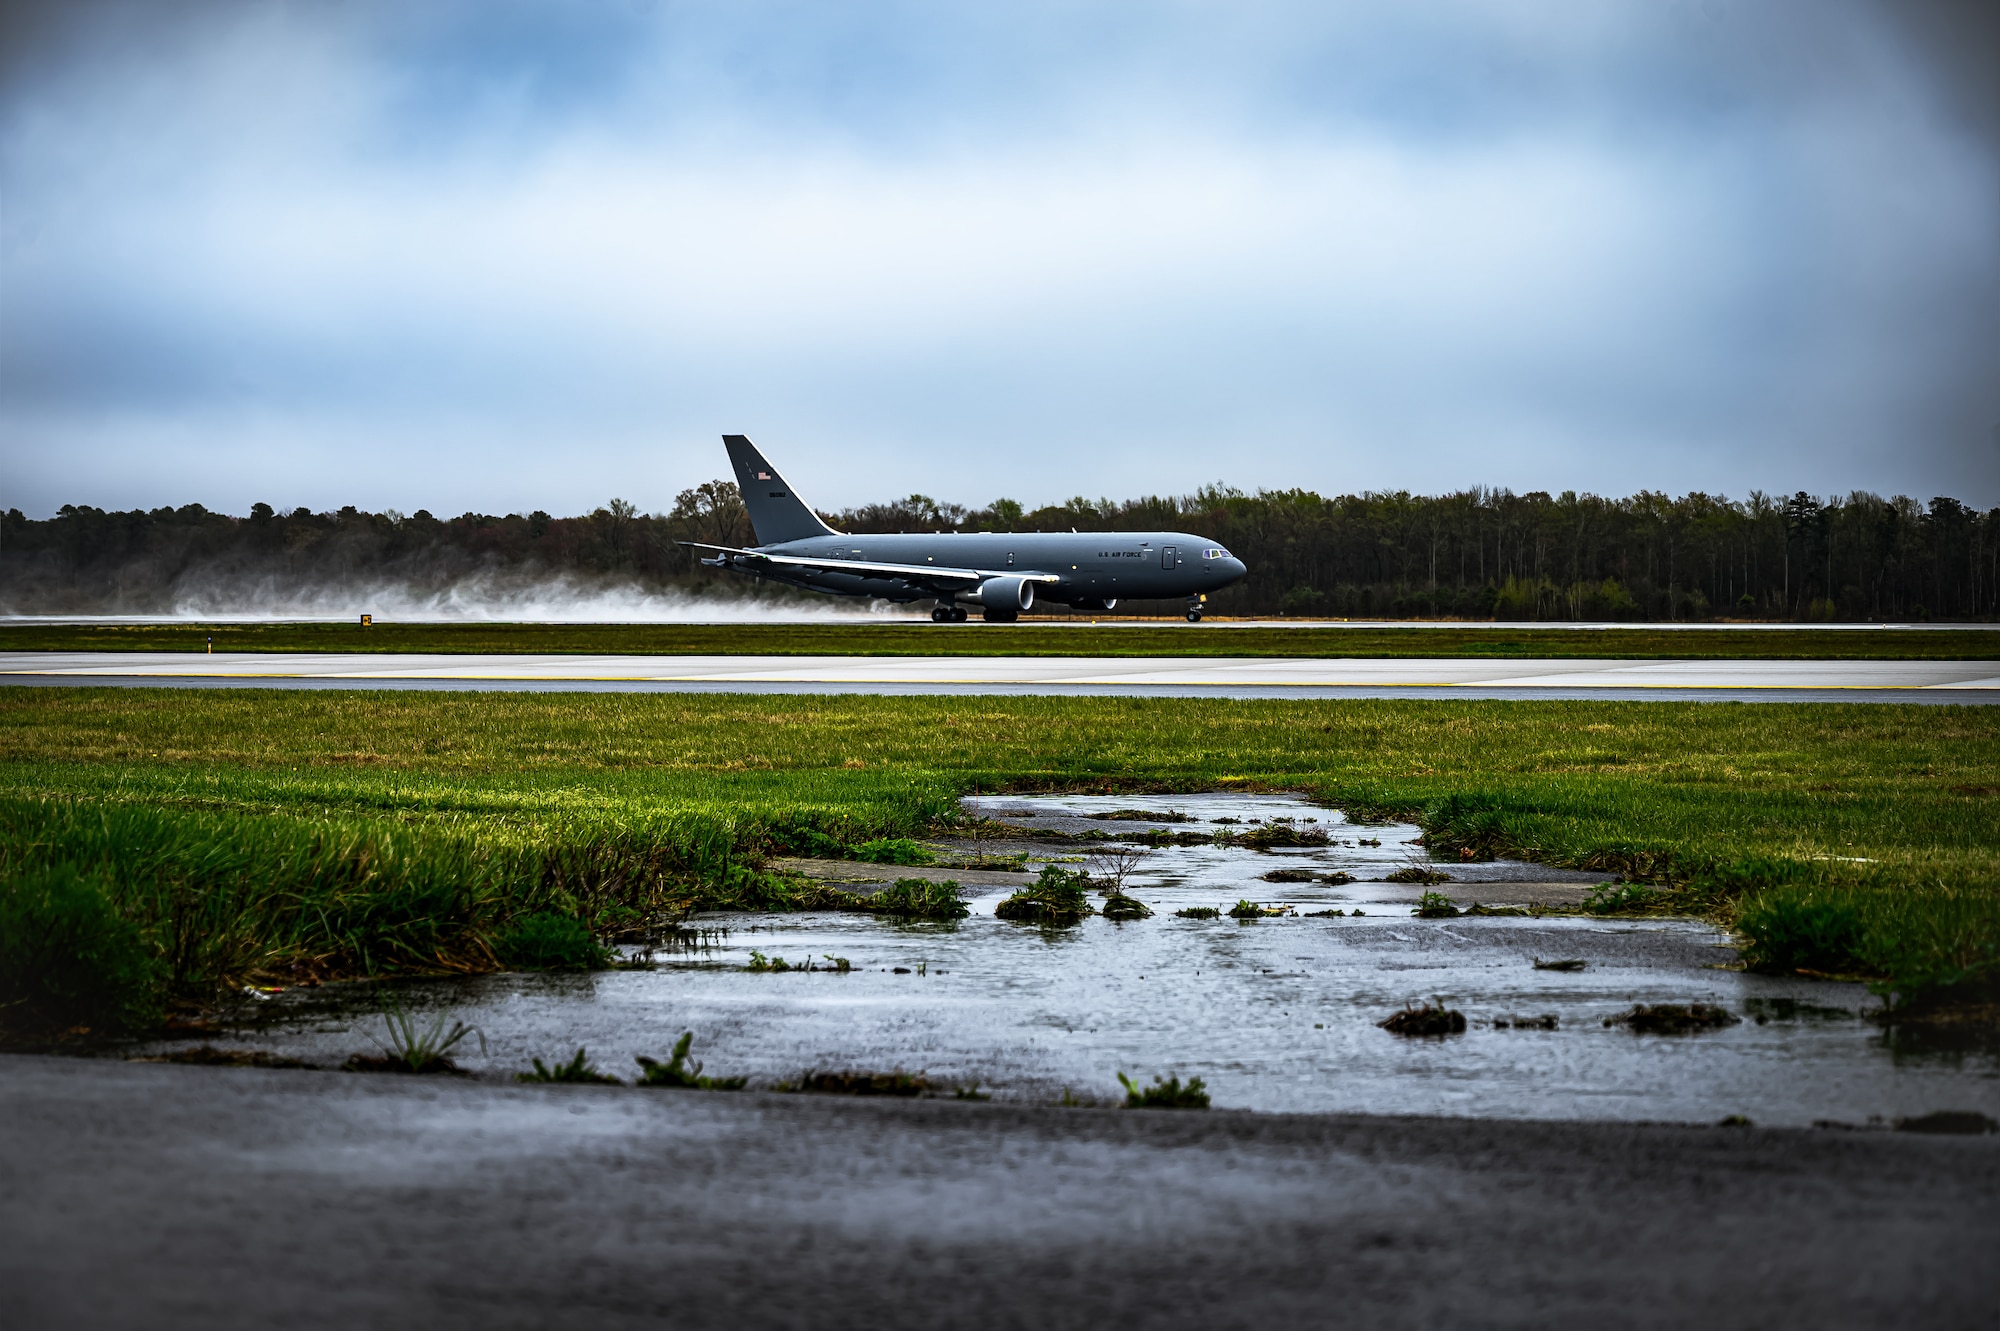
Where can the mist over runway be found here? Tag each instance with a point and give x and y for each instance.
(1162, 677)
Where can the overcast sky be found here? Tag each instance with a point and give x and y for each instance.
(504, 256)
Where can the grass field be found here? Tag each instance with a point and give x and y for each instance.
(234, 834)
(1025, 639)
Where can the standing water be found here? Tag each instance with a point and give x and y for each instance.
(1277, 1012)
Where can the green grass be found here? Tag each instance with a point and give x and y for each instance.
(1074, 638)
(1164, 1093)
(69, 958)
(550, 941)
(277, 833)
(678, 1072)
(578, 1071)
(918, 899)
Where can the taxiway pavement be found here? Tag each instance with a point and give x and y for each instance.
(168, 1196)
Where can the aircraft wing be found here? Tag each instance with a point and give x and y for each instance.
(913, 572)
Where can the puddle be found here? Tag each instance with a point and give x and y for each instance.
(1274, 1014)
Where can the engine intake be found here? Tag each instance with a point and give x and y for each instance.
(1007, 594)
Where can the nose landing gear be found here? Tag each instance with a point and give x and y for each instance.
(1195, 604)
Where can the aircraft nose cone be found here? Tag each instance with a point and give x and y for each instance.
(1234, 567)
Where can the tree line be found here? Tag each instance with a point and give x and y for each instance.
(1473, 554)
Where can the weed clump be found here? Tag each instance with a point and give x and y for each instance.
(1621, 899)
(1199, 913)
(548, 941)
(1435, 906)
(892, 850)
(1269, 835)
(1674, 1018)
(578, 1071)
(919, 899)
(1287, 876)
(897, 1083)
(1791, 931)
(1251, 910)
(1165, 1093)
(1426, 1020)
(1337, 879)
(412, 1049)
(676, 1071)
(1142, 816)
(69, 962)
(1567, 964)
(1057, 899)
(1118, 906)
(1418, 874)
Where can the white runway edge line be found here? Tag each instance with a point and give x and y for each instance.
(1167, 674)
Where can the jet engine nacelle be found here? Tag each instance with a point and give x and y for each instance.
(1006, 594)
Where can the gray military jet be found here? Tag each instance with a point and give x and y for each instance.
(1003, 573)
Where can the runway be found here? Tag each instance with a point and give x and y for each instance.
(1232, 677)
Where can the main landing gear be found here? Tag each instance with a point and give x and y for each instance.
(947, 614)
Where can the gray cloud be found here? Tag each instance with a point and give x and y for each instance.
(503, 256)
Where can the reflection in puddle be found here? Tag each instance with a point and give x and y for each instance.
(1274, 1013)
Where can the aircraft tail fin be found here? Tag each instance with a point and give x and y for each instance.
(776, 514)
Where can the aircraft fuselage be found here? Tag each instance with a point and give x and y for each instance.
(1090, 568)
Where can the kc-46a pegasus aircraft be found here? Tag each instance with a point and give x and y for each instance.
(1003, 573)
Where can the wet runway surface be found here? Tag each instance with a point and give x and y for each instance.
(1899, 681)
(142, 1195)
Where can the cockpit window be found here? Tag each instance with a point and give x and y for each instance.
(1214, 552)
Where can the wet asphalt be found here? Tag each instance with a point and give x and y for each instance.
(149, 1195)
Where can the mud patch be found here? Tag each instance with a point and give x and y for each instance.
(211, 1057)
(1430, 1019)
(1674, 1018)
(896, 1083)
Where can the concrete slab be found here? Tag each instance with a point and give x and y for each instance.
(166, 1197)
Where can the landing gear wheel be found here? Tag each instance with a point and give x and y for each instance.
(1194, 616)
(958, 614)
(941, 614)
